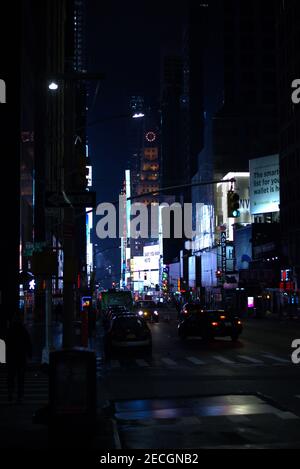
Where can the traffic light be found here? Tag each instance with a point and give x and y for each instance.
(233, 204)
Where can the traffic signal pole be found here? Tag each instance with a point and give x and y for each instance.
(70, 267)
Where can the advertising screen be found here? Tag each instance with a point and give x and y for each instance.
(264, 185)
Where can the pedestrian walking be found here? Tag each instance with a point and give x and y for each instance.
(18, 350)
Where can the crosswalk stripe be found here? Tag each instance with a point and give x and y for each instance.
(169, 362)
(275, 358)
(25, 401)
(195, 361)
(141, 362)
(250, 359)
(287, 415)
(224, 360)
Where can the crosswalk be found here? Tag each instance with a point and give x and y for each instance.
(35, 389)
(36, 383)
(173, 362)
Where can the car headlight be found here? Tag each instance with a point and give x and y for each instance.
(156, 313)
(140, 313)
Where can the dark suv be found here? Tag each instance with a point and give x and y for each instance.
(209, 324)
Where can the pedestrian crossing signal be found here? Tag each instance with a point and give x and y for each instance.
(233, 204)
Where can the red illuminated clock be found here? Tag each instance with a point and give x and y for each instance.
(150, 136)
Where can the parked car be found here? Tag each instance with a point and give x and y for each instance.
(147, 309)
(127, 331)
(209, 324)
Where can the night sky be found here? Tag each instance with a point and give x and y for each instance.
(124, 41)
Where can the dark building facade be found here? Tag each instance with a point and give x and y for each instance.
(53, 154)
(192, 98)
(247, 126)
(171, 91)
(289, 117)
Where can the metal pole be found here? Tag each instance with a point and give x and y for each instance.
(69, 276)
(48, 322)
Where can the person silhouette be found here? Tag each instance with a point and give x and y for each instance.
(18, 350)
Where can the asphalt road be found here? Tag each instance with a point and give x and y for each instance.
(177, 373)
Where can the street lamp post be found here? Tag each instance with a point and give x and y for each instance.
(70, 265)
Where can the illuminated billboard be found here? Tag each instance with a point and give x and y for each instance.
(151, 257)
(264, 185)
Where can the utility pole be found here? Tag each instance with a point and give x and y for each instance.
(70, 268)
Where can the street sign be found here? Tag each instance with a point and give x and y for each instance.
(223, 253)
(30, 248)
(75, 199)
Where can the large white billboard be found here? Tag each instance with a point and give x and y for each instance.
(264, 185)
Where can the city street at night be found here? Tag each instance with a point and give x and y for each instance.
(187, 390)
(150, 287)
(190, 394)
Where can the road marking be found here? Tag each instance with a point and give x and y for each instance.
(141, 362)
(250, 359)
(287, 415)
(195, 361)
(168, 361)
(224, 360)
(115, 364)
(277, 359)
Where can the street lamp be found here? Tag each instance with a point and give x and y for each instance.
(53, 86)
(138, 115)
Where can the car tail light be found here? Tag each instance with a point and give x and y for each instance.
(215, 324)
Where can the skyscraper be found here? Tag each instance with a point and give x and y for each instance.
(247, 126)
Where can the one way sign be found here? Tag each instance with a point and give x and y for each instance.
(70, 199)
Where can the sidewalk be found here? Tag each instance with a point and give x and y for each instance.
(284, 320)
(37, 334)
(17, 429)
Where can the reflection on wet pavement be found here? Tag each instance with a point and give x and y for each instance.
(225, 420)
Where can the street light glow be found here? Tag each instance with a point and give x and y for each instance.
(53, 86)
(138, 115)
